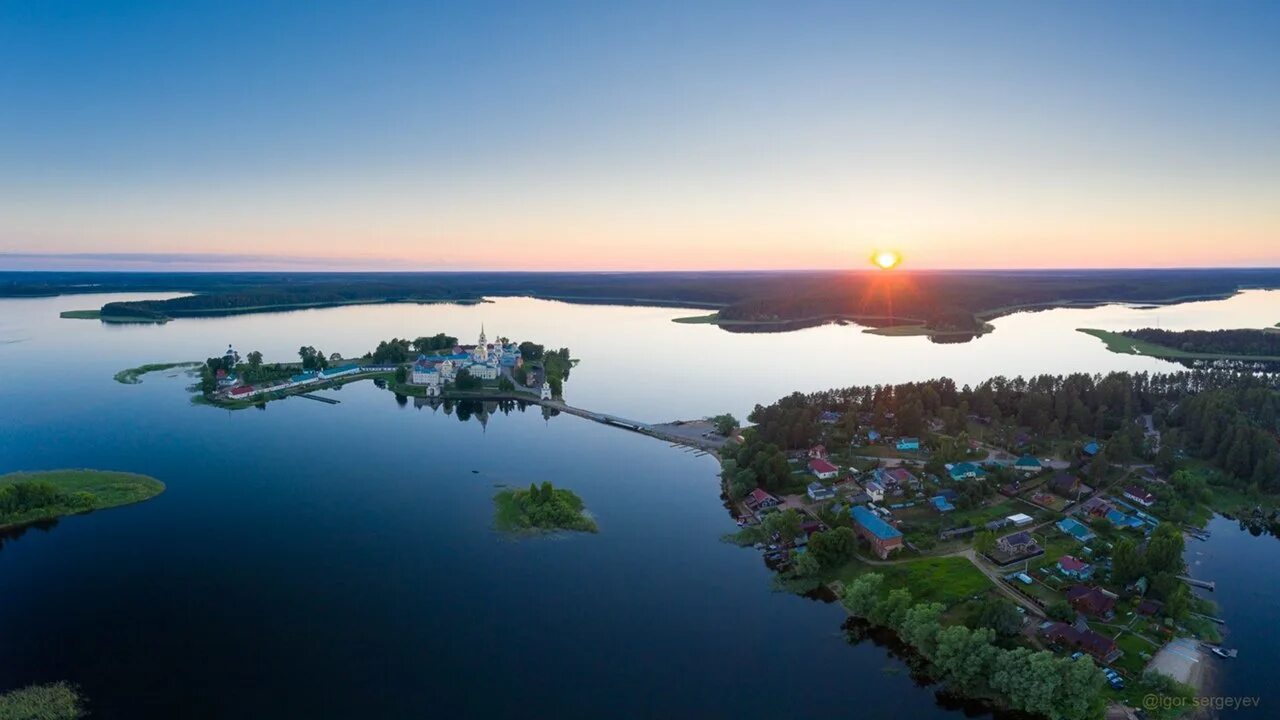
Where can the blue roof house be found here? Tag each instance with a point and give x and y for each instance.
(1076, 529)
(908, 443)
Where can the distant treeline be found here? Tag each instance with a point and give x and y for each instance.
(955, 301)
(1229, 419)
(1219, 342)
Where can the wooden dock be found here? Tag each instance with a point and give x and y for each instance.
(1206, 584)
(317, 398)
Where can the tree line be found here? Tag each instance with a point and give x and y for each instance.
(1227, 418)
(1224, 342)
(970, 662)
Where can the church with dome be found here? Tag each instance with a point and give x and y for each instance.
(484, 361)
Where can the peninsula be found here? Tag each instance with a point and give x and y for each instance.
(1033, 527)
(1246, 345)
(29, 497)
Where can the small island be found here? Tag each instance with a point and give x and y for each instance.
(541, 508)
(29, 497)
(54, 701)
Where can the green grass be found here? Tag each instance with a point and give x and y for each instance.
(133, 376)
(77, 491)
(1125, 345)
(54, 701)
(946, 580)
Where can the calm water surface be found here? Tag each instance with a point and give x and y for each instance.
(314, 560)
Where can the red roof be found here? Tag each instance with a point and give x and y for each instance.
(1139, 494)
(901, 475)
(243, 389)
(818, 451)
(822, 466)
(1090, 600)
(1071, 563)
(758, 496)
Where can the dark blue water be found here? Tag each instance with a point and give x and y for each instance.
(338, 561)
(1245, 568)
(313, 560)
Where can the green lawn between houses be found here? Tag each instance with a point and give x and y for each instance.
(946, 580)
(66, 492)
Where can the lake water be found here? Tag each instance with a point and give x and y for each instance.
(313, 560)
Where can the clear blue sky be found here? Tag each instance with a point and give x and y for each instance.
(621, 135)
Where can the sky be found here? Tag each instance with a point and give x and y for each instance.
(638, 135)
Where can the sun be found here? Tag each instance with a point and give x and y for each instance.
(886, 259)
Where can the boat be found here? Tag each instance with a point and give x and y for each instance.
(1223, 653)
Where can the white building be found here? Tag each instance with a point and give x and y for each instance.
(546, 390)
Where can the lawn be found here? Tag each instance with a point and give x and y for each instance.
(947, 580)
(1133, 662)
(27, 497)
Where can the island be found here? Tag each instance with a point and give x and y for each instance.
(541, 508)
(52, 701)
(1018, 533)
(30, 497)
(435, 368)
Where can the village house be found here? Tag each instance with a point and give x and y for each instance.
(1097, 507)
(1140, 496)
(1017, 544)
(874, 490)
(1028, 465)
(823, 470)
(818, 452)
(907, 443)
(759, 499)
(883, 537)
(942, 504)
(1076, 529)
(829, 417)
(819, 492)
(1074, 568)
(965, 471)
(1092, 601)
(1020, 519)
(1099, 646)
(1091, 449)
(896, 479)
(1069, 487)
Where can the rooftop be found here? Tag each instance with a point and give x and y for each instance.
(873, 523)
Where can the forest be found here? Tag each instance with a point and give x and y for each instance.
(947, 300)
(1230, 420)
(1214, 342)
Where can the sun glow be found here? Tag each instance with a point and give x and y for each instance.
(886, 259)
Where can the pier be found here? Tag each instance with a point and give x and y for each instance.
(670, 432)
(1206, 584)
(317, 398)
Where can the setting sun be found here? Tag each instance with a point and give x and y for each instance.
(886, 259)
